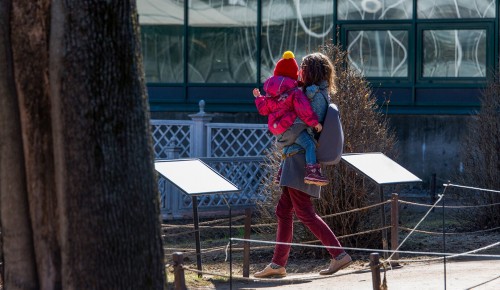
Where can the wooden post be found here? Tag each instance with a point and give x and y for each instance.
(375, 267)
(179, 279)
(246, 245)
(395, 227)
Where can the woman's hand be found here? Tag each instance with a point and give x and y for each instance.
(256, 93)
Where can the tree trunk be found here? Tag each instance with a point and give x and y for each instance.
(88, 159)
(19, 271)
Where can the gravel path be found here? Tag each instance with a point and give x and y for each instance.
(476, 274)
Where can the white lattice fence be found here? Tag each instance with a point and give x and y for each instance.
(232, 140)
(165, 132)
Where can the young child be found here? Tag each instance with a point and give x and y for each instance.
(286, 106)
(316, 77)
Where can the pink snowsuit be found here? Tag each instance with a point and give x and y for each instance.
(283, 103)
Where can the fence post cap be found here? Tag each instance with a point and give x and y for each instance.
(201, 113)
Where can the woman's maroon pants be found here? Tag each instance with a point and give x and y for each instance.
(293, 200)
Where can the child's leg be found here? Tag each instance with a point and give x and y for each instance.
(307, 142)
(313, 168)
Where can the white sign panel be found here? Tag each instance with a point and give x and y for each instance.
(380, 168)
(194, 177)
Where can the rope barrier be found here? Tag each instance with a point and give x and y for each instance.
(414, 203)
(203, 224)
(225, 220)
(365, 249)
(365, 232)
(267, 225)
(178, 249)
(212, 227)
(470, 187)
(457, 255)
(357, 209)
(190, 250)
(449, 206)
(440, 233)
(352, 235)
(178, 234)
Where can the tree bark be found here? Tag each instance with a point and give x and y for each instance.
(19, 271)
(88, 158)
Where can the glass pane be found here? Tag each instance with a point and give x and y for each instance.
(222, 41)
(299, 26)
(161, 39)
(374, 9)
(454, 53)
(431, 9)
(379, 53)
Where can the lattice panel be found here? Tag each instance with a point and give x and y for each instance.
(164, 132)
(232, 140)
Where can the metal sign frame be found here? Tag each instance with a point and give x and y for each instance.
(194, 178)
(383, 171)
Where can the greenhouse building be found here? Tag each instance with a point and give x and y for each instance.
(432, 58)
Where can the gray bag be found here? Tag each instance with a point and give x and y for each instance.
(331, 139)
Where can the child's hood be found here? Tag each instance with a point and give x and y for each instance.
(312, 90)
(277, 85)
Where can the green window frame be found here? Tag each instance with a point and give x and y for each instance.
(410, 57)
(460, 27)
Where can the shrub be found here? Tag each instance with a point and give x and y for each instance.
(481, 162)
(366, 130)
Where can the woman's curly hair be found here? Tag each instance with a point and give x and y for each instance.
(317, 67)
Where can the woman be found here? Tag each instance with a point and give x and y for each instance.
(317, 74)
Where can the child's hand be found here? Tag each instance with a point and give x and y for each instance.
(256, 92)
(318, 127)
